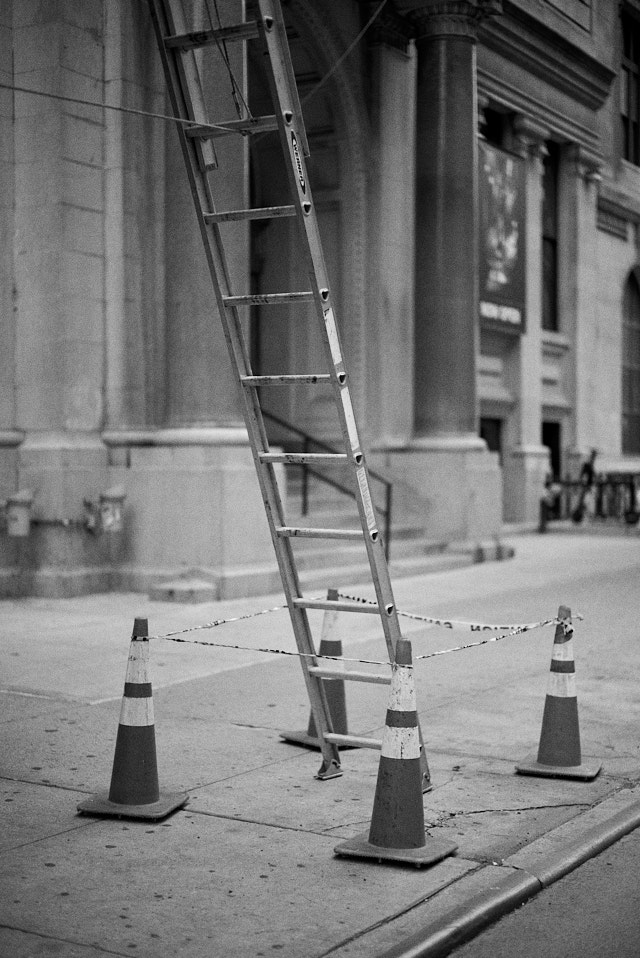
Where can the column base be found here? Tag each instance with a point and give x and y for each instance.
(193, 521)
(196, 528)
(525, 469)
(448, 486)
(57, 554)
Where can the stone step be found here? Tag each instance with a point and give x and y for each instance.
(333, 569)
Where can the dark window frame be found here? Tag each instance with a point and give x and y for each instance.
(631, 367)
(550, 217)
(630, 85)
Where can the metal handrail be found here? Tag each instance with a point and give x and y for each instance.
(614, 497)
(307, 442)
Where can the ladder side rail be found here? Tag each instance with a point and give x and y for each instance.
(292, 139)
(194, 107)
(203, 202)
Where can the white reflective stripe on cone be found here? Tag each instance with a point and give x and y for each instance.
(402, 697)
(137, 666)
(563, 651)
(562, 684)
(136, 711)
(400, 743)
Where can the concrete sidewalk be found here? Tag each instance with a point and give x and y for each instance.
(247, 867)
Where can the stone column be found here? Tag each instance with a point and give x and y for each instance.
(391, 237)
(10, 437)
(526, 460)
(59, 292)
(195, 523)
(446, 264)
(450, 484)
(579, 178)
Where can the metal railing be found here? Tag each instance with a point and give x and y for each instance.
(614, 497)
(309, 443)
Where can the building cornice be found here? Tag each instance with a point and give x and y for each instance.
(546, 54)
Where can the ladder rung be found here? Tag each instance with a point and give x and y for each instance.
(356, 740)
(325, 673)
(292, 380)
(268, 299)
(297, 458)
(293, 531)
(251, 124)
(203, 38)
(336, 606)
(257, 213)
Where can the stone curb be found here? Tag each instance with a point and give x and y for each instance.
(539, 869)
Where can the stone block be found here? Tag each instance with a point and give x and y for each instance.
(82, 275)
(83, 140)
(36, 136)
(452, 494)
(83, 230)
(194, 507)
(82, 49)
(83, 186)
(37, 46)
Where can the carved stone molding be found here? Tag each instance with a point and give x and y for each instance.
(389, 29)
(584, 163)
(530, 136)
(460, 18)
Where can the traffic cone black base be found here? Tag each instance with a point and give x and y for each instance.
(434, 850)
(154, 811)
(583, 772)
(134, 791)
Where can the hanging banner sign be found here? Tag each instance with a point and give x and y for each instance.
(502, 238)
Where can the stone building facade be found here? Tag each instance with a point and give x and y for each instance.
(476, 170)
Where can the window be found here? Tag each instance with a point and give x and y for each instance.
(551, 438)
(631, 369)
(494, 126)
(630, 87)
(550, 238)
(491, 432)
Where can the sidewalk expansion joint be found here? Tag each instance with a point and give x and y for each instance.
(257, 821)
(45, 784)
(94, 946)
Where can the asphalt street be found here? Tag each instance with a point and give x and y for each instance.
(591, 913)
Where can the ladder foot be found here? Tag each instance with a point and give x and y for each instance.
(330, 769)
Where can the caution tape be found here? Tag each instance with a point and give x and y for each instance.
(511, 629)
(497, 638)
(214, 624)
(175, 637)
(507, 631)
(250, 648)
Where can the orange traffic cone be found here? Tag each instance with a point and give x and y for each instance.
(397, 831)
(559, 753)
(134, 791)
(334, 688)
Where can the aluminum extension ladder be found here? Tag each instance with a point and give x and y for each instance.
(177, 46)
